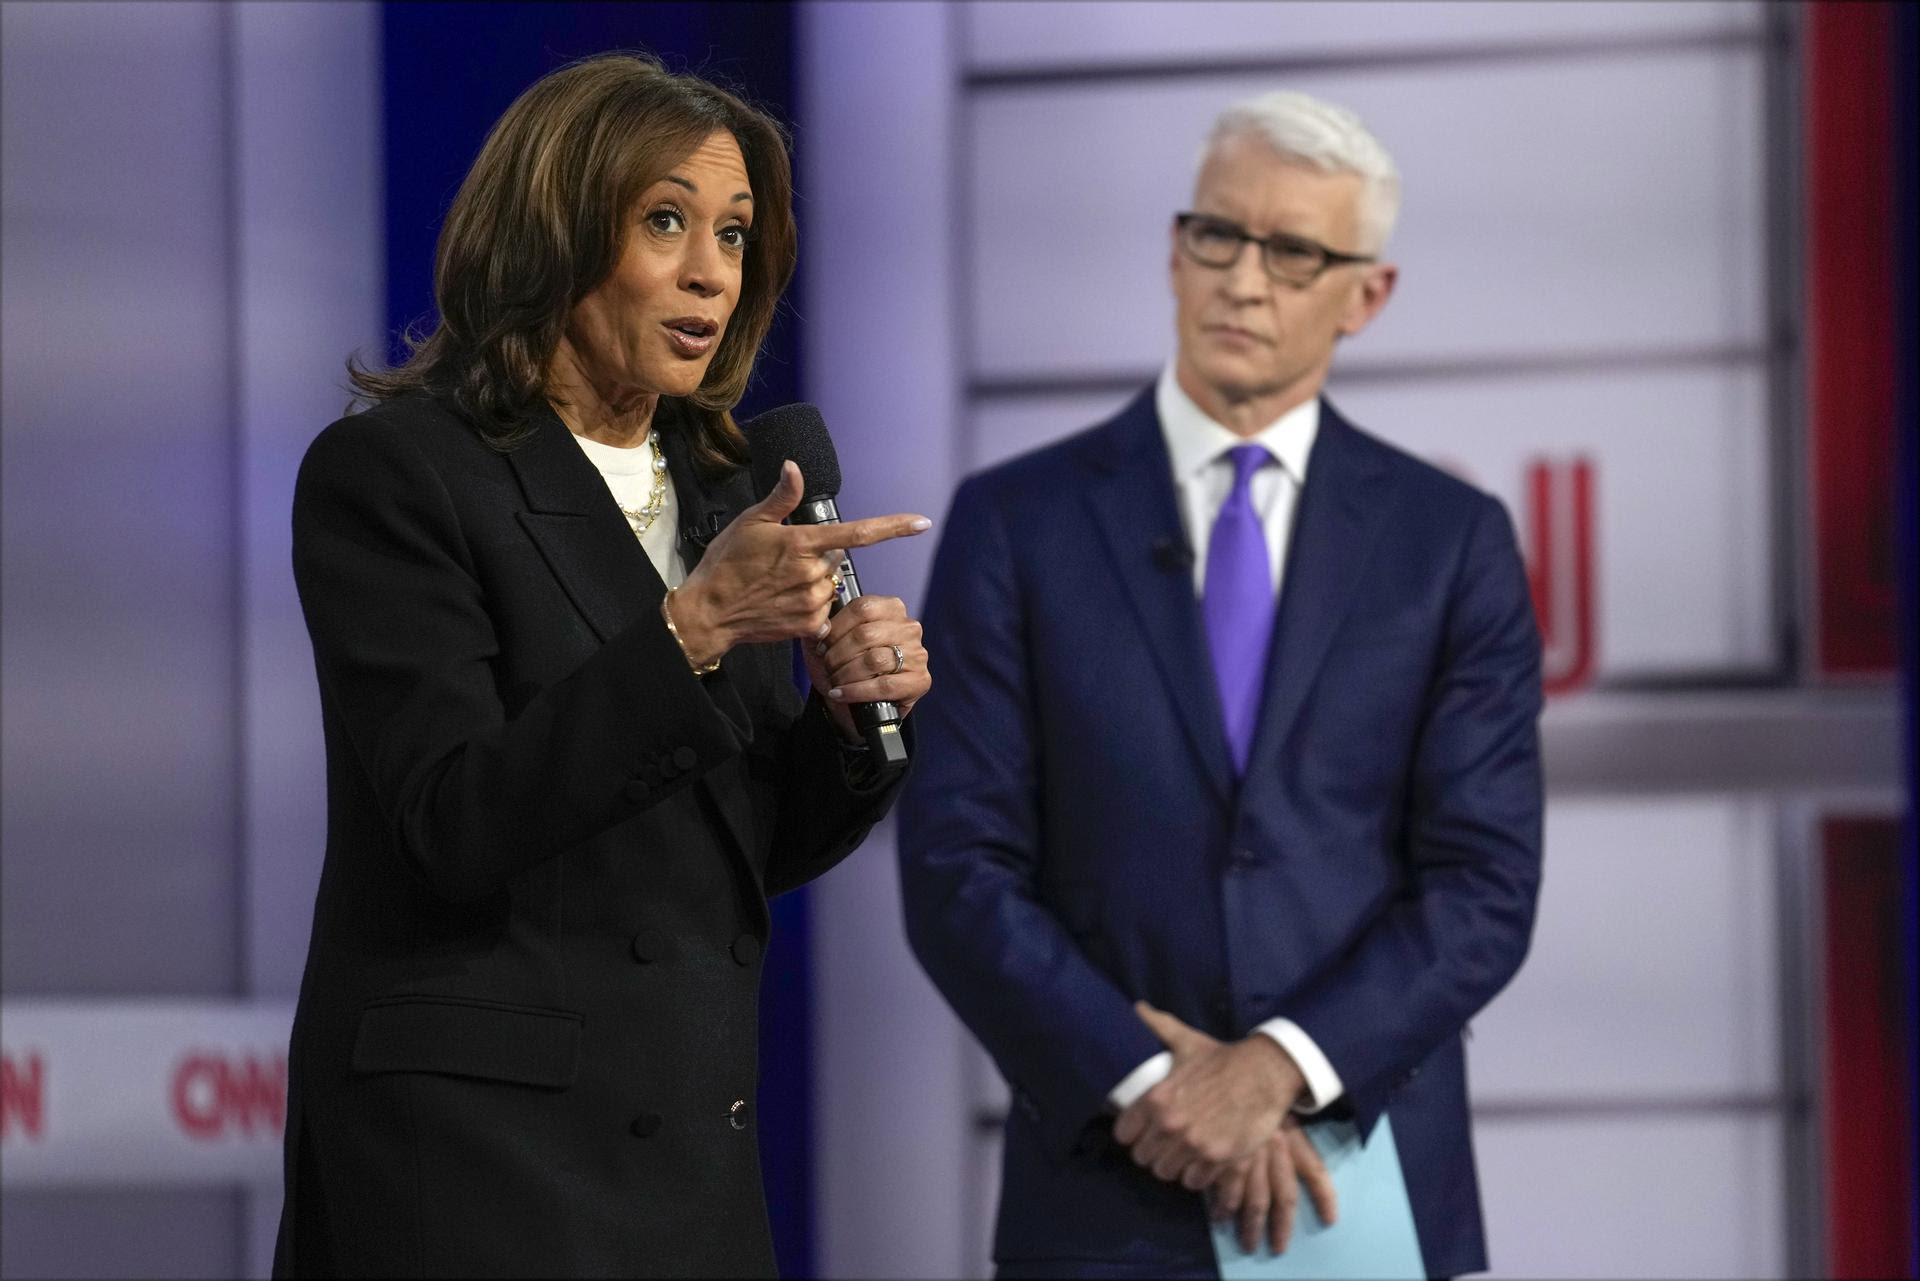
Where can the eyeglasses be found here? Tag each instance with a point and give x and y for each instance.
(1291, 260)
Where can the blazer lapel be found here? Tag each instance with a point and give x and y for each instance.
(1135, 509)
(1341, 508)
(587, 543)
(591, 549)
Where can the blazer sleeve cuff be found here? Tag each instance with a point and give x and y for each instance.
(1070, 1107)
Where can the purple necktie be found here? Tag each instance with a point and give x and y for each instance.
(1239, 603)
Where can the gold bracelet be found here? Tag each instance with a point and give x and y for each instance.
(674, 632)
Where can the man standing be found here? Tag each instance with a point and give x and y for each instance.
(1238, 720)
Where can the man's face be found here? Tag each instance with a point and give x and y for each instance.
(1244, 336)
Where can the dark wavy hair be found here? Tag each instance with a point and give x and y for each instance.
(539, 222)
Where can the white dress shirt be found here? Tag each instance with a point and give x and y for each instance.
(1203, 477)
(629, 474)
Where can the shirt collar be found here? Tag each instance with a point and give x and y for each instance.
(1195, 440)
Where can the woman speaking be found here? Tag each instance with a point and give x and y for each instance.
(566, 761)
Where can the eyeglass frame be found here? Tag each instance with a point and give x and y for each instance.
(1328, 257)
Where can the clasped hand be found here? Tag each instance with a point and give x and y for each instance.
(1222, 1122)
(761, 580)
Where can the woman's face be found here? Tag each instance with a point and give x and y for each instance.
(652, 326)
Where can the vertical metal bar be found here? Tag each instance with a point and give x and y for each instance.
(963, 456)
(235, 344)
(241, 1197)
(1790, 489)
(1803, 1211)
(1796, 846)
(1797, 871)
(980, 1178)
(980, 1084)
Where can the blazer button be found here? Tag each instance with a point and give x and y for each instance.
(666, 767)
(644, 1125)
(745, 949)
(685, 758)
(737, 1114)
(649, 945)
(635, 792)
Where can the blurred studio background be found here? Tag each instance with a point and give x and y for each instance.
(1658, 294)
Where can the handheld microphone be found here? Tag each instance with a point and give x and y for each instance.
(701, 532)
(798, 432)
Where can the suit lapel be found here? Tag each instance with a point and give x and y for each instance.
(1345, 499)
(1138, 516)
(587, 543)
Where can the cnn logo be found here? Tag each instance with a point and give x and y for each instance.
(23, 1095)
(218, 1095)
(1560, 548)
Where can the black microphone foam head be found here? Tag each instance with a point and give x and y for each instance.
(795, 431)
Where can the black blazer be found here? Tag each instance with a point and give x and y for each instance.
(525, 1042)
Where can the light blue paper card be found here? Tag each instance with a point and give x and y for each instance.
(1374, 1236)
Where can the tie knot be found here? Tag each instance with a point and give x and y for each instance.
(1246, 460)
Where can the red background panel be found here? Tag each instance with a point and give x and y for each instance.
(1851, 332)
(1869, 1168)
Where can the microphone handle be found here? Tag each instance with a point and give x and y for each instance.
(878, 723)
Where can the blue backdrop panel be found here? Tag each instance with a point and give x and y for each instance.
(450, 70)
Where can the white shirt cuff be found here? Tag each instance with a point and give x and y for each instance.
(1323, 1083)
(1140, 1080)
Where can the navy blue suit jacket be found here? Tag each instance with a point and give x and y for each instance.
(1074, 837)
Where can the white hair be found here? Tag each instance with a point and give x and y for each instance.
(1322, 136)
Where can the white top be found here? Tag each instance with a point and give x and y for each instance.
(629, 474)
(1203, 476)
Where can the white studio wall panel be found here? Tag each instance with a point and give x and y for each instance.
(1679, 461)
(118, 627)
(1569, 207)
(881, 349)
(310, 275)
(309, 266)
(1652, 976)
(117, 636)
(1679, 466)
(1004, 34)
(1657, 1195)
(1006, 426)
(881, 358)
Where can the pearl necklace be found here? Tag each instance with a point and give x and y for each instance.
(642, 518)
